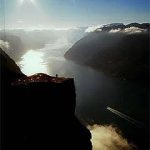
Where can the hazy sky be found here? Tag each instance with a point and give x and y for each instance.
(68, 13)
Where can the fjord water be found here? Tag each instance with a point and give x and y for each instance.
(95, 90)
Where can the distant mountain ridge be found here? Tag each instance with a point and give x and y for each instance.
(111, 26)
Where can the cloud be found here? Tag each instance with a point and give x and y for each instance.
(115, 30)
(134, 30)
(20, 21)
(129, 30)
(109, 138)
(4, 45)
(66, 29)
(93, 28)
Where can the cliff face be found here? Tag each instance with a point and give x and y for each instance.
(39, 111)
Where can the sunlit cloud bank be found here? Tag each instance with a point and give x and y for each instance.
(115, 30)
(109, 138)
(69, 28)
(128, 30)
(41, 28)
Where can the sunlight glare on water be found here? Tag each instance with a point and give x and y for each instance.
(32, 62)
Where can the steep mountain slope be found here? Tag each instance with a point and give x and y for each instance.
(118, 50)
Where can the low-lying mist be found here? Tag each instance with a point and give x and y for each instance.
(20, 41)
(109, 137)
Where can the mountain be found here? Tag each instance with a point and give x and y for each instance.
(16, 47)
(121, 26)
(38, 112)
(121, 51)
(9, 69)
(142, 26)
(111, 26)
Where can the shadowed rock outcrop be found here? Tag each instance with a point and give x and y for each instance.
(39, 111)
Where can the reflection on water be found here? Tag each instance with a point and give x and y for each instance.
(32, 62)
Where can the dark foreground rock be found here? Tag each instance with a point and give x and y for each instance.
(38, 112)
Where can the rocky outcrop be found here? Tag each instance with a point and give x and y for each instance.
(39, 111)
